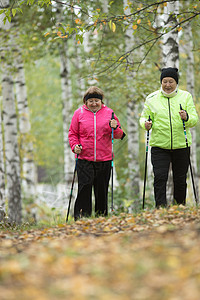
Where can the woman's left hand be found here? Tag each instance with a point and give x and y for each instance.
(183, 114)
(113, 123)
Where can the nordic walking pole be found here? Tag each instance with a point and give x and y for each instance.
(186, 141)
(70, 197)
(112, 164)
(145, 171)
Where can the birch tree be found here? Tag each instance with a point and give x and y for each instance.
(191, 88)
(28, 166)
(66, 97)
(2, 171)
(170, 40)
(11, 147)
(170, 54)
(132, 122)
(10, 126)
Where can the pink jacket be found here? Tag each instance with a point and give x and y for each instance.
(93, 132)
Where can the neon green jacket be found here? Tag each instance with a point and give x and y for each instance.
(167, 126)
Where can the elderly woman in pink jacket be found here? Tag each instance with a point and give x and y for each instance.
(90, 138)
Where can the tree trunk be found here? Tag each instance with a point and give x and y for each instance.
(170, 59)
(2, 171)
(28, 166)
(191, 89)
(132, 124)
(10, 126)
(67, 112)
(171, 40)
(11, 147)
(66, 97)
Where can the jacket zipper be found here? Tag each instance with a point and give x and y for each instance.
(95, 138)
(170, 122)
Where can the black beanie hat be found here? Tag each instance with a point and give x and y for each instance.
(169, 72)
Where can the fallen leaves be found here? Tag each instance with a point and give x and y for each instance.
(149, 255)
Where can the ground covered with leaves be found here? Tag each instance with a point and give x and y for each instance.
(152, 255)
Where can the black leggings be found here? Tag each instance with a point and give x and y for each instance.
(90, 174)
(161, 159)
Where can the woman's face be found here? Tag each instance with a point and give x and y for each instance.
(168, 84)
(94, 104)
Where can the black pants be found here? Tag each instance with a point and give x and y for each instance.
(161, 159)
(91, 174)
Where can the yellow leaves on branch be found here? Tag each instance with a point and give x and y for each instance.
(149, 23)
(78, 21)
(112, 26)
(135, 26)
(59, 33)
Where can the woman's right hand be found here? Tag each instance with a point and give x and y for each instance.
(148, 125)
(77, 149)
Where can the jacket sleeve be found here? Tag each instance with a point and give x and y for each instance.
(191, 110)
(118, 132)
(73, 135)
(146, 112)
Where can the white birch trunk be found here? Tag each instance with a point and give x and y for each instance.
(105, 6)
(191, 89)
(87, 48)
(132, 126)
(171, 40)
(3, 49)
(10, 129)
(2, 171)
(66, 97)
(170, 52)
(106, 101)
(11, 148)
(28, 166)
(67, 114)
(81, 82)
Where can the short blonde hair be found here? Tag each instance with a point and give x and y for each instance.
(93, 90)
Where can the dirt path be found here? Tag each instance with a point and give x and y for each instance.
(151, 256)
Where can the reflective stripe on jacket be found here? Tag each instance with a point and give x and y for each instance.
(167, 126)
(93, 132)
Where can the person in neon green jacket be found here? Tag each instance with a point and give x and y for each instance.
(167, 139)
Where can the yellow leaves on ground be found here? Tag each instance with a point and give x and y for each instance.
(150, 255)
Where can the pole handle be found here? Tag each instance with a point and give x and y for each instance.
(112, 117)
(181, 107)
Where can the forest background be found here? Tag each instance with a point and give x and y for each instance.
(51, 52)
